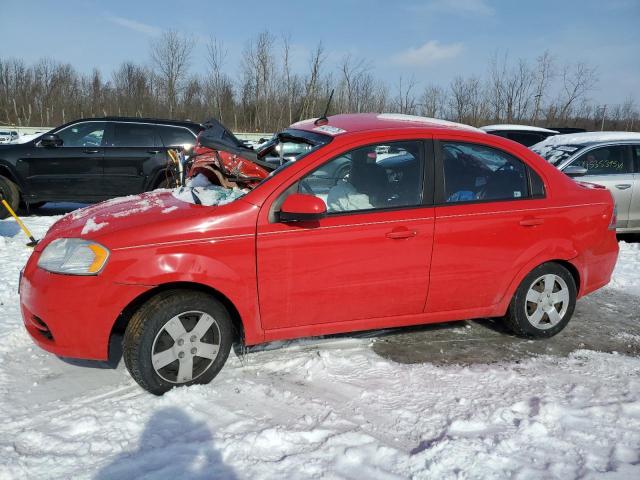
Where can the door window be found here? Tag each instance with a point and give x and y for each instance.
(480, 173)
(176, 136)
(372, 177)
(86, 134)
(636, 154)
(134, 135)
(608, 160)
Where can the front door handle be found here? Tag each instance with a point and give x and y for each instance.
(623, 186)
(153, 151)
(399, 233)
(91, 150)
(531, 221)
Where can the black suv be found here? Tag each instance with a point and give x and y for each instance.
(90, 160)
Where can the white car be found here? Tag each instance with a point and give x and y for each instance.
(611, 159)
(8, 136)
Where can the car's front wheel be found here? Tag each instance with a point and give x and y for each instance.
(178, 337)
(9, 192)
(543, 303)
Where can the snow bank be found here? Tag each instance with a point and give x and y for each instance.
(626, 276)
(321, 408)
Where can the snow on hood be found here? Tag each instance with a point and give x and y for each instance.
(135, 211)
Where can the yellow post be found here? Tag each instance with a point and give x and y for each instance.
(24, 228)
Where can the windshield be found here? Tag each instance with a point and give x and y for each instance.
(555, 154)
(289, 146)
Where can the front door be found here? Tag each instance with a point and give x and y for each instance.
(71, 171)
(368, 258)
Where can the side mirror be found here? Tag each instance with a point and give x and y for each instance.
(575, 171)
(300, 207)
(50, 140)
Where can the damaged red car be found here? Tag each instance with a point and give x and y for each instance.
(349, 223)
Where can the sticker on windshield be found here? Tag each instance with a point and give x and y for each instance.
(517, 194)
(329, 129)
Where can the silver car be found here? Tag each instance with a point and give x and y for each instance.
(611, 159)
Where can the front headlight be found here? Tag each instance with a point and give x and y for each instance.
(73, 256)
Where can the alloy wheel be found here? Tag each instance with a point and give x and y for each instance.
(185, 347)
(547, 301)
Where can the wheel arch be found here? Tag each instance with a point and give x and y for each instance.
(123, 319)
(8, 172)
(566, 263)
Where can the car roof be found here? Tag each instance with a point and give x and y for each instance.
(591, 138)
(516, 128)
(160, 121)
(363, 122)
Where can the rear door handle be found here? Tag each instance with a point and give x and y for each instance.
(153, 151)
(531, 222)
(623, 186)
(91, 150)
(399, 233)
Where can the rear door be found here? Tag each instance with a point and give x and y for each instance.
(634, 208)
(70, 171)
(612, 167)
(489, 216)
(131, 151)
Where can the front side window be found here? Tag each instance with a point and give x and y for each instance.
(134, 135)
(609, 160)
(86, 134)
(480, 173)
(373, 177)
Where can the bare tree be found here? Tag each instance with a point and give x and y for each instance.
(171, 54)
(577, 80)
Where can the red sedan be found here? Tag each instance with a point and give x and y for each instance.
(426, 221)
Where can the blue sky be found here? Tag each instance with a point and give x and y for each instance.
(431, 39)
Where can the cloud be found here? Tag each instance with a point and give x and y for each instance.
(461, 7)
(134, 25)
(428, 54)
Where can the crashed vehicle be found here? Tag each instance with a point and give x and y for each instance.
(434, 222)
(224, 160)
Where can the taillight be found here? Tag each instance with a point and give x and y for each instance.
(614, 218)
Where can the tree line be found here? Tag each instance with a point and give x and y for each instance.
(267, 94)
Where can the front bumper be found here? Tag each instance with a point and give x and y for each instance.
(72, 316)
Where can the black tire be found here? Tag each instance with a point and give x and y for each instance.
(9, 191)
(147, 326)
(166, 183)
(521, 309)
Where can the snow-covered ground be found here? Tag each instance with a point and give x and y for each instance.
(318, 408)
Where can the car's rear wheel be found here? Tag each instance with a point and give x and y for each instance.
(178, 337)
(543, 303)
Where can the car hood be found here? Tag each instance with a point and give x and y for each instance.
(148, 218)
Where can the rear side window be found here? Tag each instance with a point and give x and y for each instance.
(526, 138)
(479, 173)
(537, 185)
(610, 160)
(134, 135)
(176, 136)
